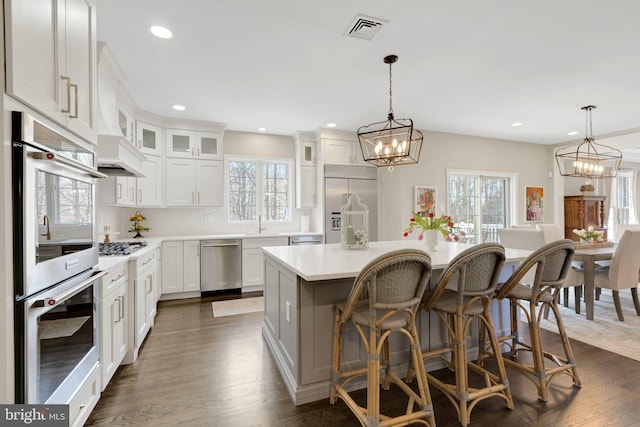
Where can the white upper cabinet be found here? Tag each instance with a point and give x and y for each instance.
(208, 145)
(51, 57)
(190, 144)
(126, 124)
(149, 188)
(306, 155)
(306, 170)
(149, 139)
(194, 182)
(343, 152)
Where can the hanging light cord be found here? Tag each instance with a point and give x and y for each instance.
(390, 93)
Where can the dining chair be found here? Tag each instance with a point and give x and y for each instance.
(473, 275)
(621, 273)
(550, 265)
(384, 299)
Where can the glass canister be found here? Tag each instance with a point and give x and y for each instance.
(354, 230)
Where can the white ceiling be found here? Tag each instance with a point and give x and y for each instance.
(468, 67)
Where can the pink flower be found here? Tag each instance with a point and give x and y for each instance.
(420, 236)
(406, 234)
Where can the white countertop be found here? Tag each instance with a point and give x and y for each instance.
(240, 236)
(109, 261)
(325, 262)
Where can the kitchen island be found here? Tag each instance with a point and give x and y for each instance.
(302, 284)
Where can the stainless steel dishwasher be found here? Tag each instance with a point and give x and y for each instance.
(220, 264)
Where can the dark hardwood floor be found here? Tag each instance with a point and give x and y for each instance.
(197, 370)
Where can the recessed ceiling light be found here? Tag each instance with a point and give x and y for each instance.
(262, 129)
(516, 124)
(331, 125)
(573, 133)
(179, 107)
(161, 32)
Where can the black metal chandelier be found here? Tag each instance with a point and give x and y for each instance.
(589, 159)
(393, 141)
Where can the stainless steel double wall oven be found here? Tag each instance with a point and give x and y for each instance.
(55, 256)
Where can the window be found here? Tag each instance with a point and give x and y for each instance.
(259, 186)
(621, 210)
(479, 203)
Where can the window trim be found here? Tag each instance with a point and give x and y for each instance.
(260, 160)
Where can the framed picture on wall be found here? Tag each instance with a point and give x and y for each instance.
(425, 199)
(534, 200)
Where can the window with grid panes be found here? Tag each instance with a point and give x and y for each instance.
(259, 186)
(479, 204)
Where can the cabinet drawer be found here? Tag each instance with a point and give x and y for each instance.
(267, 241)
(145, 261)
(114, 278)
(85, 399)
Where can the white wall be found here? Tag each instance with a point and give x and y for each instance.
(440, 151)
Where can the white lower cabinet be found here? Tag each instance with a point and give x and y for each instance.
(253, 261)
(85, 399)
(114, 321)
(181, 266)
(142, 274)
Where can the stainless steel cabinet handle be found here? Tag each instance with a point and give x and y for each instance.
(149, 283)
(68, 80)
(147, 261)
(116, 314)
(119, 192)
(75, 86)
(140, 195)
(115, 279)
(121, 299)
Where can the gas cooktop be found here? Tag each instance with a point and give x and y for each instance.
(120, 248)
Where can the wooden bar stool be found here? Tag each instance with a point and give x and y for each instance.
(475, 272)
(551, 263)
(393, 285)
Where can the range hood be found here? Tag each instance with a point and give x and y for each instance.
(117, 156)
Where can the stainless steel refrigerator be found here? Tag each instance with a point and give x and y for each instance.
(339, 183)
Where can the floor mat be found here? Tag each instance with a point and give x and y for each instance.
(237, 306)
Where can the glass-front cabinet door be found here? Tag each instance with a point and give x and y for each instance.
(208, 145)
(149, 139)
(180, 143)
(126, 123)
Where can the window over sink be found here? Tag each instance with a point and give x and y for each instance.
(259, 186)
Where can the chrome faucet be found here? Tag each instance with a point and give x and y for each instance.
(46, 223)
(260, 227)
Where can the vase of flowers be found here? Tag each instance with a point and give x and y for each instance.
(137, 227)
(430, 226)
(589, 235)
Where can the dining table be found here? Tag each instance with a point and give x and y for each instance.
(589, 254)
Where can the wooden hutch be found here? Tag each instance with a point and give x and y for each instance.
(581, 212)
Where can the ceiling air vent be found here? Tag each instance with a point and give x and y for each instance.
(365, 27)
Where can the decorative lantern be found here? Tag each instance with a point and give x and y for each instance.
(354, 230)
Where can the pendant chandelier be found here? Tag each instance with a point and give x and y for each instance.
(589, 159)
(393, 141)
